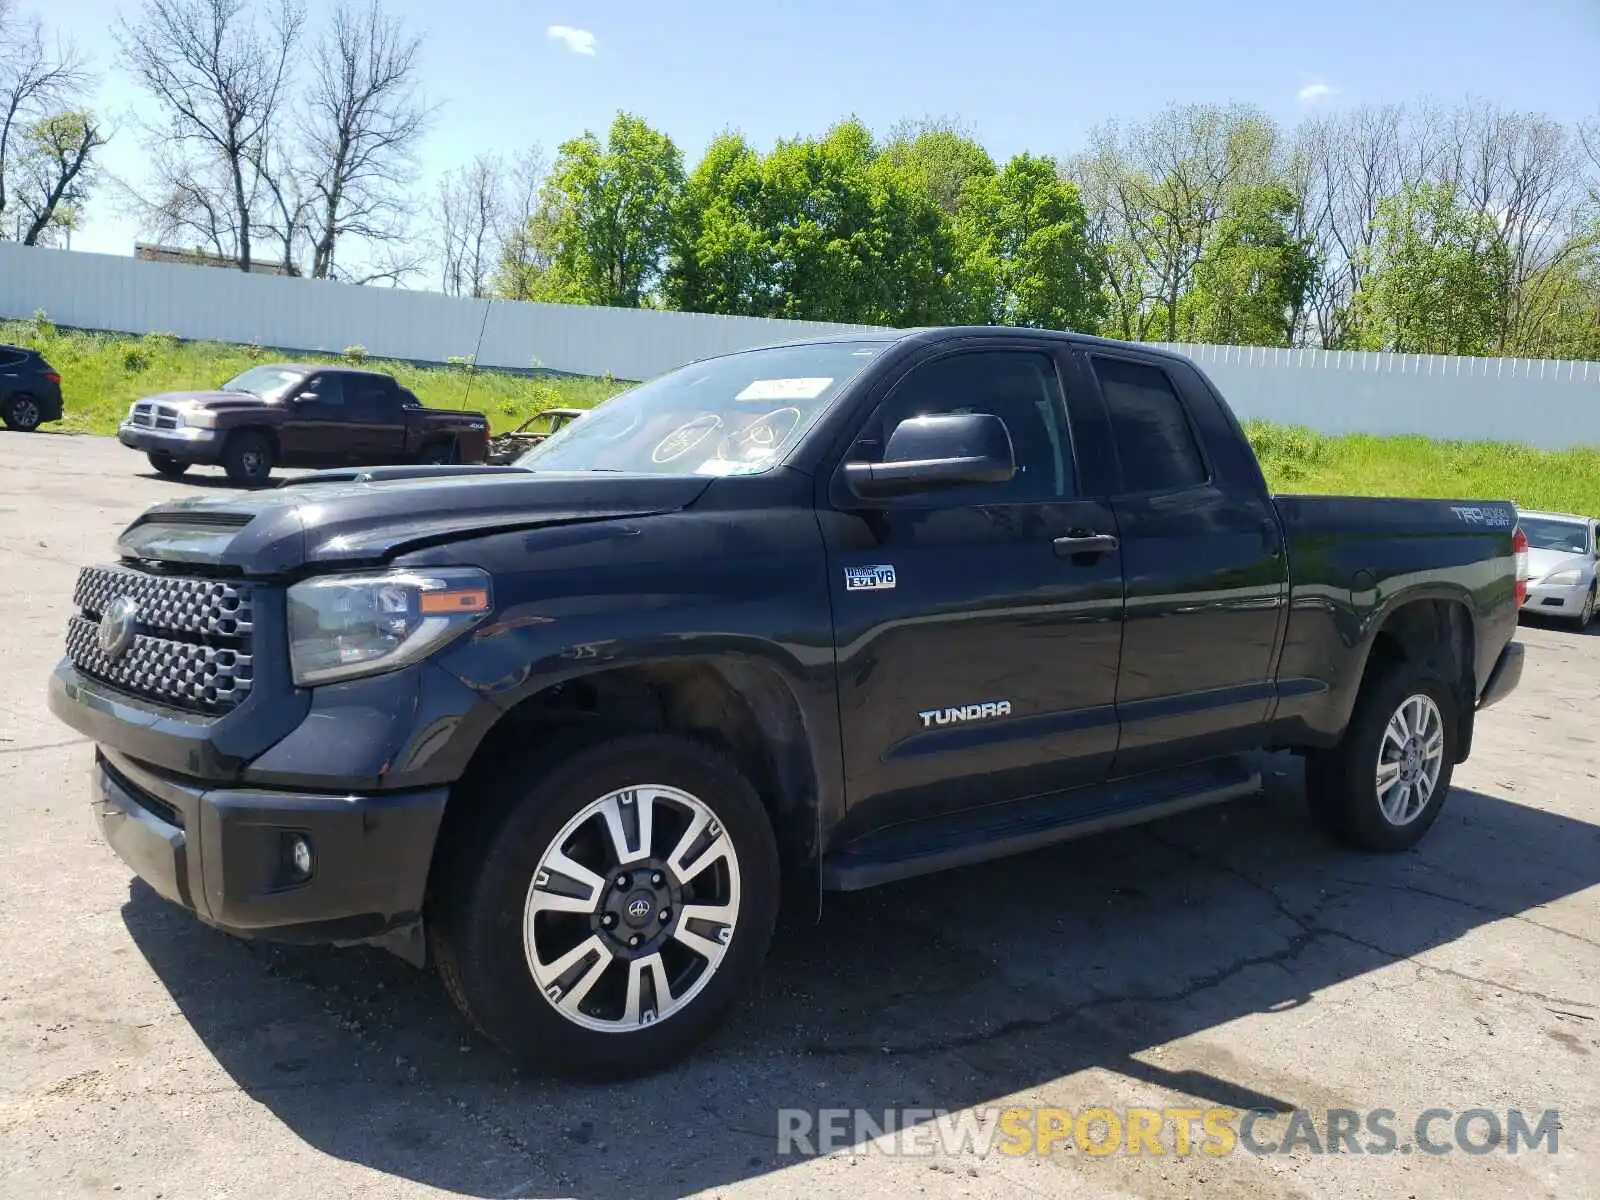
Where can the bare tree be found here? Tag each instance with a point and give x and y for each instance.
(1158, 189)
(362, 122)
(1345, 166)
(219, 81)
(469, 213)
(55, 164)
(524, 241)
(34, 80)
(1522, 175)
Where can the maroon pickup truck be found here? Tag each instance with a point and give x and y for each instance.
(299, 415)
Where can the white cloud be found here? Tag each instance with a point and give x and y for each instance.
(579, 41)
(1313, 92)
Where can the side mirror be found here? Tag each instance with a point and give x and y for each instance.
(927, 453)
(304, 398)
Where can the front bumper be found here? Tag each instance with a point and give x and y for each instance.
(1560, 600)
(186, 444)
(227, 854)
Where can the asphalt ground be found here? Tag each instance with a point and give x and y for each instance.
(1225, 959)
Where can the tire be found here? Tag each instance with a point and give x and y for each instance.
(484, 885)
(437, 454)
(22, 413)
(166, 466)
(248, 458)
(1342, 783)
(1586, 614)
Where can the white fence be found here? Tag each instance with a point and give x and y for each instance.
(1540, 402)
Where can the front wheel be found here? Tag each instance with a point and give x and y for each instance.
(248, 459)
(620, 900)
(1586, 613)
(166, 466)
(23, 414)
(1382, 786)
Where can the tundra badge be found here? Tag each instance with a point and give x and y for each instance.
(967, 712)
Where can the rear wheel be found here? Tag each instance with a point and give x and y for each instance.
(437, 453)
(23, 413)
(621, 898)
(167, 466)
(1383, 785)
(248, 458)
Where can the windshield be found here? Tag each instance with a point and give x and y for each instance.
(734, 415)
(1570, 537)
(270, 383)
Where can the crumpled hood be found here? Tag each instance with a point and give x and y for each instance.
(352, 518)
(1548, 562)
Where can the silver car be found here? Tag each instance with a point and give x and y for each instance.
(1562, 551)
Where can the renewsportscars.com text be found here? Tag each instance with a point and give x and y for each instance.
(1160, 1131)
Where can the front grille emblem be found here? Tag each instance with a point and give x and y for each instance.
(117, 625)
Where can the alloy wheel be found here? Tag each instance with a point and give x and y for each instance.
(632, 908)
(1410, 759)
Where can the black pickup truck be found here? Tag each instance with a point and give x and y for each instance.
(832, 614)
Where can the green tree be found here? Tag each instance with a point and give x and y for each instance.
(1253, 275)
(938, 157)
(56, 173)
(824, 229)
(611, 211)
(1436, 278)
(1027, 256)
(1561, 306)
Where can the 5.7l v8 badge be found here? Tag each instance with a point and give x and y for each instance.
(869, 579)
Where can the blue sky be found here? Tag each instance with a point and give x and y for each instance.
(1024, 74)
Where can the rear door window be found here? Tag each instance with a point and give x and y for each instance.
(1150, 426)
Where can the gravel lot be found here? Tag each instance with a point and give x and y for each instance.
(1228, 957)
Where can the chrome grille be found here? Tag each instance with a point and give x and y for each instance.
(191, 644)
(197, 606)
(143, 414)
(166, 418)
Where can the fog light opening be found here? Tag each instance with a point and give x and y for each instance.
(301, 859)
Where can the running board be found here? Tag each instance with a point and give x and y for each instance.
(1000, 830)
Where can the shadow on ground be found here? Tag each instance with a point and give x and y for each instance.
(942, 992)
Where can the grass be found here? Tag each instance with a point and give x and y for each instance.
(104, 373)
(1299, 460)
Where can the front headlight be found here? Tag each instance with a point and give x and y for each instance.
(343, 626)
(198, 418)
(1564, 578)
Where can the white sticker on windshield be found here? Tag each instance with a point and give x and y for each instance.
(785, 389)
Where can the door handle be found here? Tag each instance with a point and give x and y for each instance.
(1089, 543)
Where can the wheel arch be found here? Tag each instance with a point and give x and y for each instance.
(739, 704)
(266, 431)
(1435, 626)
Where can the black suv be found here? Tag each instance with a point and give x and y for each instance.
(30, 389)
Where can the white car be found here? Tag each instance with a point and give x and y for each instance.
(1562, 554)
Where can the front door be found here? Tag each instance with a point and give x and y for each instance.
(977, 659)
(315, 430)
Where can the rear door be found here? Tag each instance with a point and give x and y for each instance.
(377, 422)
(1203, 562)
(976, 658)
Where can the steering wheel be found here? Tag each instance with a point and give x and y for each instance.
(762, 437)
(685, 438)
